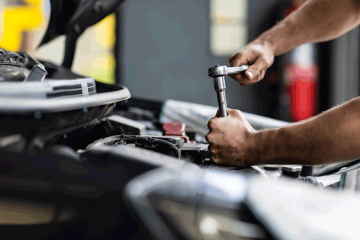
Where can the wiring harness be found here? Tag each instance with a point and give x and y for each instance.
(152, 143)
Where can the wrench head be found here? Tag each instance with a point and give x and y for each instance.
(217, 71)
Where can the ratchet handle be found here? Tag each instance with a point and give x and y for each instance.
(235, 70)
(221, 97)
(219, 85)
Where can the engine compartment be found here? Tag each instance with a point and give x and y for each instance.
(79, 179)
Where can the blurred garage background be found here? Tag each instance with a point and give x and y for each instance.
(161, 49)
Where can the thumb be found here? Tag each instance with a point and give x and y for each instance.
(254, 70)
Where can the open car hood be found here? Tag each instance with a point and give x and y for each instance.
(74, 16)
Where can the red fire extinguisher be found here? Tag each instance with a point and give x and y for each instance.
(301, 75)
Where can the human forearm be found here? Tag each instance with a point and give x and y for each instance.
(330, 137)
(314, 21)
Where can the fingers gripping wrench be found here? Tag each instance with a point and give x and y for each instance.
(218, 73)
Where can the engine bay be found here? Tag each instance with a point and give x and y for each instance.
(127, 174)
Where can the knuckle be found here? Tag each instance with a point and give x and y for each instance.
(238, 54)
(256, 53)
(268, 62)
(230, 111)
(233, 57)
(209, 138)
(237, 112)
(239, 58)
(212, 124)
(235, 62)
(260, 65)
(255, 69)
(209, 124)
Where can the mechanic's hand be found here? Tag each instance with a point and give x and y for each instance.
(259, 56)
(229, 139)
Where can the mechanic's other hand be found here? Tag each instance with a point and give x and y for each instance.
(259, 56)
(229, 139)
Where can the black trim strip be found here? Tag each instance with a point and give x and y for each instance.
(69, 93)
(75, 86)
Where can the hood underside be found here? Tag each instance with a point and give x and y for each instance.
(74, 16)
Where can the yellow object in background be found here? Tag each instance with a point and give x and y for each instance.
(104, 32)
(103, 69)
(96, 47)
(18, 19)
